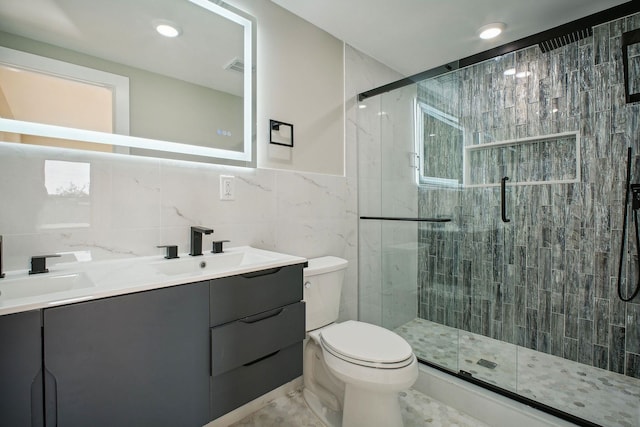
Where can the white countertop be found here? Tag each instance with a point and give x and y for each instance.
(68, 283)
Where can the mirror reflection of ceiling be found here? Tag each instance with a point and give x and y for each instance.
(123, 31)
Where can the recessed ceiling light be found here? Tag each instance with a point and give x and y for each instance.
(510, 72)
(361, 106)
(168, 29)
(490, 31)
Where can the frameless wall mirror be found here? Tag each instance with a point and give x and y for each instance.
(98, 75)
(631, 65)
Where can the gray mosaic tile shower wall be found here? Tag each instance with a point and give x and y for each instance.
(547, 279)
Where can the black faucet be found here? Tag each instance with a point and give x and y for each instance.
(217, 246)
(171, 251)
(196, 239)
(39, 263)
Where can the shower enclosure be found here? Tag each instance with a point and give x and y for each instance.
(491, 203)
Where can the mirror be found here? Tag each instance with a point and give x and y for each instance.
(97, 75)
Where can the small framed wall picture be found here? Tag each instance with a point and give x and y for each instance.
(281, 133)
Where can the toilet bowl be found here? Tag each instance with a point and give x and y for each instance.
(353, 370)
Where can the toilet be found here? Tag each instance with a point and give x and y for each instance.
(352, 370)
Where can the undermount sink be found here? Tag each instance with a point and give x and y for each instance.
(32, 286)
(209, 263)
(81, 281)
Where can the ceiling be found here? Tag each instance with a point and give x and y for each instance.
(412, 36)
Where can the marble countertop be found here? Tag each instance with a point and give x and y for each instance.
(68, 283)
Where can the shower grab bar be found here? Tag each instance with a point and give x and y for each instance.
(503, 205)
(391, 218)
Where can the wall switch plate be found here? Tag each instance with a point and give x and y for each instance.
(227, 187)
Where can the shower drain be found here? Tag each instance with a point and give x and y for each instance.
(487, 363)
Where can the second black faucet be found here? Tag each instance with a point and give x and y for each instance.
(196, 239)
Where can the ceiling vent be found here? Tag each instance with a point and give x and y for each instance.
(235, 65)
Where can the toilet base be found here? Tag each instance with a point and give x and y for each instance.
(367, 408)
(326, 414)
(323, 392)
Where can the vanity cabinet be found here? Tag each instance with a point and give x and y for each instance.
(20, 369)
(257, 328)
(175, 356)
(133, 360)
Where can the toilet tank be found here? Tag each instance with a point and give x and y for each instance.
(322, 287)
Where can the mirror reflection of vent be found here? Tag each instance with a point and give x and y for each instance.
(235, 65)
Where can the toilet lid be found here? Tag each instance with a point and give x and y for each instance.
(367, 345)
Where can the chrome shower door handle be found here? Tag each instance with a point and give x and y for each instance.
(503, 204)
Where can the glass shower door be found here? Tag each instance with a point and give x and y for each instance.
(392, 255)
(490, 266)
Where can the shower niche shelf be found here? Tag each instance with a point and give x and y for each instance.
(546, 159)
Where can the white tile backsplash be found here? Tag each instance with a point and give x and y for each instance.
(139, 203)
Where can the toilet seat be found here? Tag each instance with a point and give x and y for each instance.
(366, 345)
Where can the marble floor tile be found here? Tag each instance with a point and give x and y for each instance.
(418, 410)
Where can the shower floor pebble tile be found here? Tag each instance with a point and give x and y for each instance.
(598, 395)
(418, 410)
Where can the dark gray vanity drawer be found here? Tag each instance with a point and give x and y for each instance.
(248, 339)
(247, 294)
(235, 388)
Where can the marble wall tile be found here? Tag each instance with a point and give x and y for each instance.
(138, 184)
(532, 329)
(617, 307)
(601, 322)
(633, 365)
(615, 55)
(633, 328)
(601, 36)
(601, 87)
(138, 203)
(616, 349)
(585, 66)
(601, 357)
(586, 297)
(521, 336)
(570, 349)
(544, 311)
(557, 334)
(585, 342)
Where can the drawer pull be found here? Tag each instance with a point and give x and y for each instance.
(261, 316)
(261, 273)
(260, 359)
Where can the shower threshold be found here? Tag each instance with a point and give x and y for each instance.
(587, 392)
